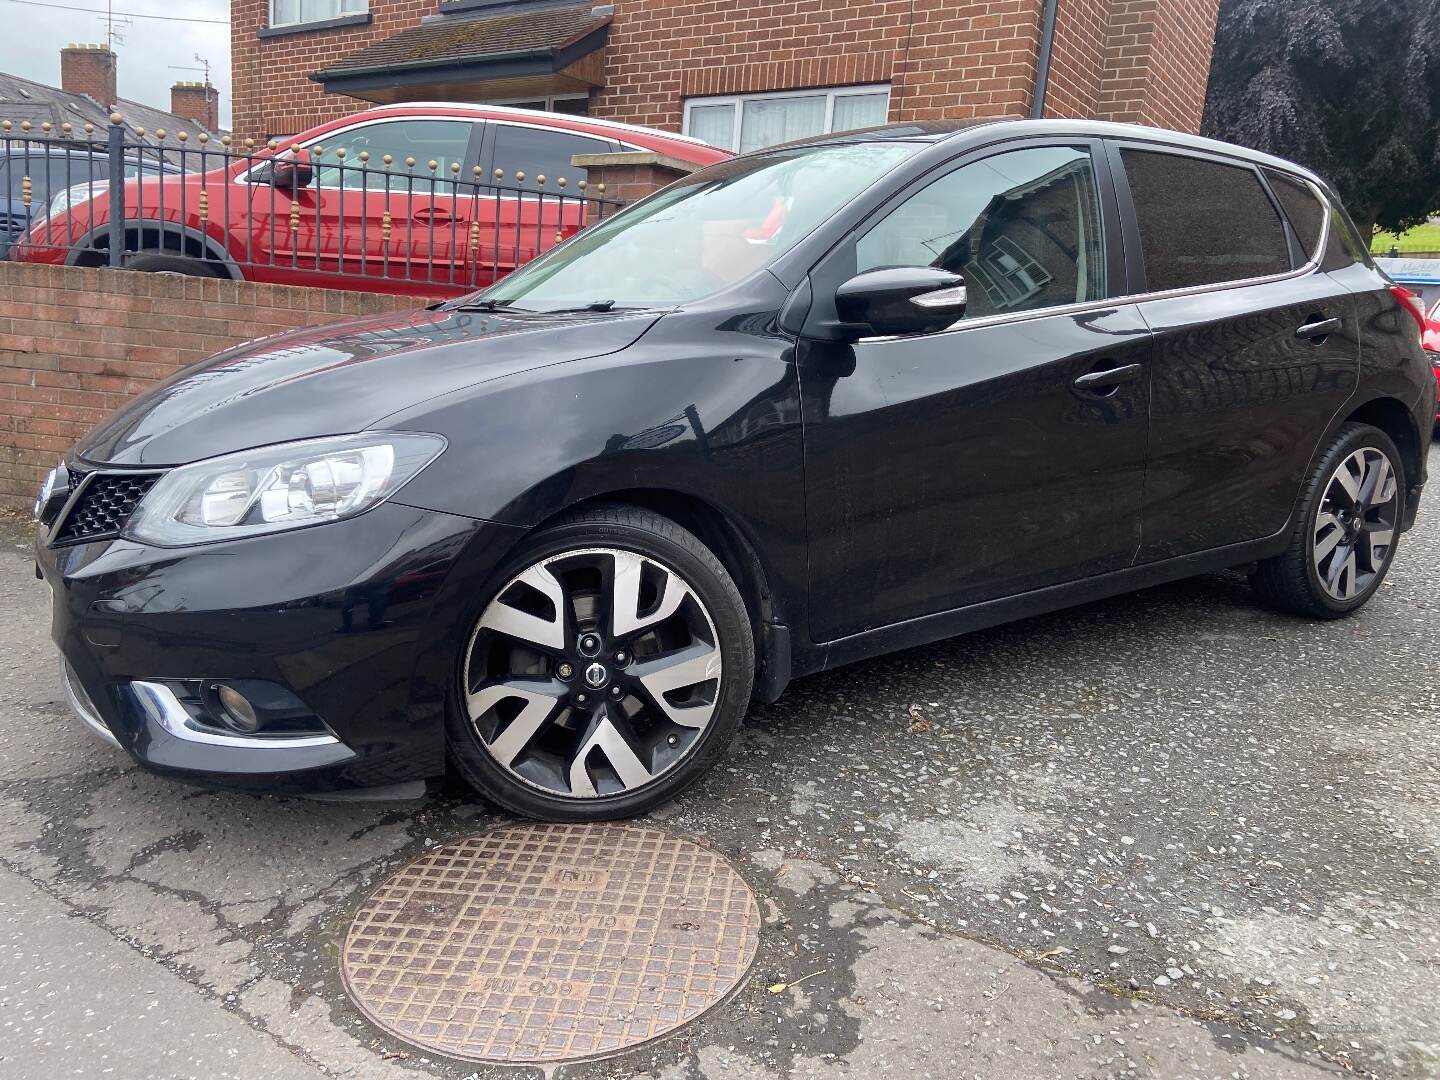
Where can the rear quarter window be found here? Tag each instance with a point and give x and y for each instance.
(1343, 247)
(1305, 211)
(1202, 222)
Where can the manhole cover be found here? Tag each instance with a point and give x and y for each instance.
(543, 943)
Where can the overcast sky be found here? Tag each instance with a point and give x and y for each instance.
(33, 37)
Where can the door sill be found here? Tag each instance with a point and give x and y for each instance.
(946, 624)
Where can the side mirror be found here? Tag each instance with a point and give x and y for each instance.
(901, 300)
(293, 171)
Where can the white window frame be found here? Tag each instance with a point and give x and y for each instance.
(340, 13)
(739, 100)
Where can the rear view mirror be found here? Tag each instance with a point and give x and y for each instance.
(292, 171)
(901, 300)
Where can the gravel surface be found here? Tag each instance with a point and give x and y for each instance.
(1167, 835)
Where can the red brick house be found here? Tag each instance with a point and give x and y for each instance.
(740, 74)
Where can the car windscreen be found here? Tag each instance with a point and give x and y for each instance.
(704, 233)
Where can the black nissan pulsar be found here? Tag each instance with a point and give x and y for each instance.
(806, 406)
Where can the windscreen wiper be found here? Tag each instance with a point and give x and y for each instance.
(485, 305)
(594, 305)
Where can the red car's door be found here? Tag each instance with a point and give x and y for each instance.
(386, 208)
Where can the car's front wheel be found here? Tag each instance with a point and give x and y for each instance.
(605, 673)
(1344, 538)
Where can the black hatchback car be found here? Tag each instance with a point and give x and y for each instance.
(806, 406)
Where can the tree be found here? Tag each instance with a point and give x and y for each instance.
(1347, 88)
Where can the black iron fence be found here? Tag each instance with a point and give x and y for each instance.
(333, 215)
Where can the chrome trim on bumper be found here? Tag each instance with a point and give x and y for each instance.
(83, 708)
(161, 705)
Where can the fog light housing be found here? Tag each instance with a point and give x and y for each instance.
(237, 712)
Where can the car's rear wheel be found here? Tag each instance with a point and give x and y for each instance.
(606, 672)
(1344, 540)
(159, 262)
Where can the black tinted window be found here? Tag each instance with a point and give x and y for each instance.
(1343, 248)
(1306, 213)
(1022, 227)
(538, 152)
(1203, 222)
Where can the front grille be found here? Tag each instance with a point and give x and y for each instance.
(104, 506)
(76, 479)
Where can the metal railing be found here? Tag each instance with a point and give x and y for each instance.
(329, 216)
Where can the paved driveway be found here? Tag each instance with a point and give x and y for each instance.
(1168, 835)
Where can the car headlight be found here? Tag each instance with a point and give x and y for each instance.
(274, 488)
(68, 199)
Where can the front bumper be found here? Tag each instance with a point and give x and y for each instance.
(357, 619)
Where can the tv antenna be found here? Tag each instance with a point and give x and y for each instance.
(113, 22)
(204, 66)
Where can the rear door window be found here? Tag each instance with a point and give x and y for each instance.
(537, 152)
(1202, 222)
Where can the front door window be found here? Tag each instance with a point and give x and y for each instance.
(1023, 228)
(445, 142)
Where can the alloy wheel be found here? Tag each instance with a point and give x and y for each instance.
(592, 673)
(1356, 524)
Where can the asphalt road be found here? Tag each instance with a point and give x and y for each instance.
(1167, 835)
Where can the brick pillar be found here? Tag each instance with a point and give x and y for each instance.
(1157, 62)
(629, 177)
(89, 69)
(197, 102)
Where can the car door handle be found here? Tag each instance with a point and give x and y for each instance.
(1109, 378)
(432, 214)
(1320, 328)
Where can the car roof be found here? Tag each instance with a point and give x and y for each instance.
(54, 151)
(989, 129)
(479, 109)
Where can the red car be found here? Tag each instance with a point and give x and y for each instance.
(1429, 332)
(429, 199)
(1430, 338)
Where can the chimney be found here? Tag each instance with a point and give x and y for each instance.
(196, 102)
(89, 69)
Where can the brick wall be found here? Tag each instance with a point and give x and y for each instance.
(943, 58)
(76, 344)
(1077, 61)
(272, 94)
(1143, 60)
(1157, 62)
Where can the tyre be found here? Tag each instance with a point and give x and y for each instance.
(156, 262)
(1344, 537)
(605, 672)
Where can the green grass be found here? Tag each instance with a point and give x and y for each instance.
(1420, 238)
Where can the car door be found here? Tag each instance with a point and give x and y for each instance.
(527, 217)
(1005, 453)
(389, 199)
(1256, 347)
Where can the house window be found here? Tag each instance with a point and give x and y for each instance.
(571, 104)
(297, 12)
(751, 121)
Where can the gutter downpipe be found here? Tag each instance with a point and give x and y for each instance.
(1042, 70)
